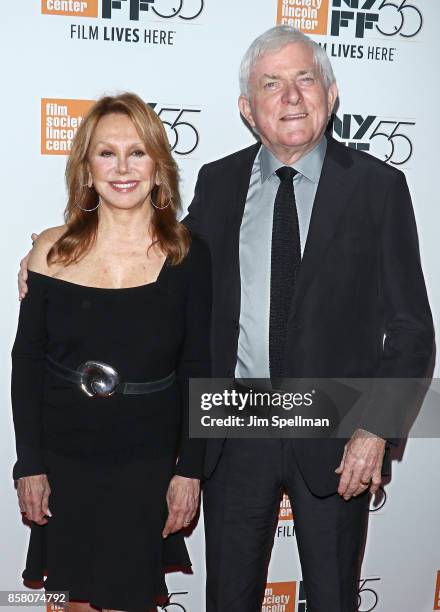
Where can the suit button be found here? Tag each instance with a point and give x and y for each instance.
(236, 324)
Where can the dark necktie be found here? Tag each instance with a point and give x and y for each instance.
(285, 263)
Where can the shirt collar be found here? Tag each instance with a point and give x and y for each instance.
(309, 166)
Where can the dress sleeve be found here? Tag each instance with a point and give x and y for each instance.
(28, 370)
(195, 359)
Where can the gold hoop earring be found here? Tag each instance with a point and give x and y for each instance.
(90, 209)
(160, 207)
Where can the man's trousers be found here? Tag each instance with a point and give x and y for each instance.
(241, 504)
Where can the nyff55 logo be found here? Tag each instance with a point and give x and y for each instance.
(179, 124)
(367, 599)
(387, 139)
(388, 18)
(175, 601)
(183, 9)
(353, 17)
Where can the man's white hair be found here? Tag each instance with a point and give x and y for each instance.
(276, 39)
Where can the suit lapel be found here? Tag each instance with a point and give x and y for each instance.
(241, 180)
(332, 197)
(240, 177)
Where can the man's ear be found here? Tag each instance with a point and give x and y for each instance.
(245, 110)
(332, 96)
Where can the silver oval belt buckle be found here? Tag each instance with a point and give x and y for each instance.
(98, 378)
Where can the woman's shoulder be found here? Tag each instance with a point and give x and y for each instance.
(41, 247)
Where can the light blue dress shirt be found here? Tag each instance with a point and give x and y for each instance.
(256, 245)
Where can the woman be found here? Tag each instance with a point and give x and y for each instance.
(116, 320)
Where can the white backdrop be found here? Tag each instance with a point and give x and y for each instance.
(384, 55)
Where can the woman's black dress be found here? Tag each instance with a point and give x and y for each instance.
(109, 460)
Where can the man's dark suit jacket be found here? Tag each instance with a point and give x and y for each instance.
(360, 281)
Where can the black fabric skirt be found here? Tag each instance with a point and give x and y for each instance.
(103, 543)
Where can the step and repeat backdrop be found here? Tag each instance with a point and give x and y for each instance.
(182, 57)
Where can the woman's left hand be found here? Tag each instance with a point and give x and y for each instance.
(183, 501)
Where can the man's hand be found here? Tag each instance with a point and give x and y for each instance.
(183, 500)
(33, 497)
(23, 273)
(361, 464)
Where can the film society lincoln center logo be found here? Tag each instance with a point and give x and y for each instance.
(279, 597)
(60, 120)
(73, 8)
(285, 513)
(286, 525)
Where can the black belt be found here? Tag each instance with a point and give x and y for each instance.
(101, 379)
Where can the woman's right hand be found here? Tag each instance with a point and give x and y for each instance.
(33, 497)
(23, 273)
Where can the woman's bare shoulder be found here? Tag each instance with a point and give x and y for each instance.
(41, 247)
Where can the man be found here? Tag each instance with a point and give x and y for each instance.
(315, 260)
(357, 275)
